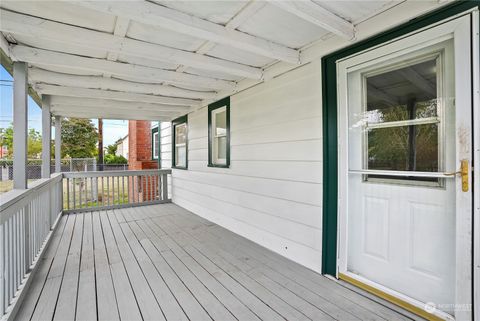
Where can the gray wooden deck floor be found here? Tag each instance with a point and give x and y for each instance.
(162, 262)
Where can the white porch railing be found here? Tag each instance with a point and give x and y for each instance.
(86, 191)
(27, 217)
(26, 221)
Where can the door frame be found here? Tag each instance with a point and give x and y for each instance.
(409, 46)
(330, 127)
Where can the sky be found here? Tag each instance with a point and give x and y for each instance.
(112, 129)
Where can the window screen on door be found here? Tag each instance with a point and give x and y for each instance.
(402, 118)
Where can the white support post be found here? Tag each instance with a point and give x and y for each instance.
(46, 136)
(58, 143)
(20, 125)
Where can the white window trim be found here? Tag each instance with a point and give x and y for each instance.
(216, 137)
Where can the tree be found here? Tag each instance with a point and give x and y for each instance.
(34, 142)
(112, 149)
(6, 139)
(79, 138)
(115, 159)
(111, 158)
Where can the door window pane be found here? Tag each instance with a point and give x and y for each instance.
(402, 118)
(402, 94)
(404, 148)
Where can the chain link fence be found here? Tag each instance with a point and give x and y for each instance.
(34, 169)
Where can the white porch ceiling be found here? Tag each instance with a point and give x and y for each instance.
(158, 59)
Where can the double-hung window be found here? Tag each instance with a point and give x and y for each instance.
(155, 143)
(180, 143)
(219, 133)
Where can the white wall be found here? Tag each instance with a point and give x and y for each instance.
(122, 148)
(272, 192)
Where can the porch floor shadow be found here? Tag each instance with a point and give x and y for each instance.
(162, 262)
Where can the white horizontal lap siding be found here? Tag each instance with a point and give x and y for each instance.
(166, 151)
(272, 192)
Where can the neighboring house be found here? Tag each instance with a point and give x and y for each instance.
(122, 147)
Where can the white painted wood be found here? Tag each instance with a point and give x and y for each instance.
(20, 124)
(316, 14)
(392, 17)
(66, 34)
(476, 157)
(153, 14)
(137, 72)
(67, 297)
(5, 46)
(278, 209)
(120, 30)
(243, 15)
(113, 105)
(106, 84)
(189, 267)
(58, 143)
(67, 111)
(46, 136)
(371, 243)
(87, 291)
(46, 89)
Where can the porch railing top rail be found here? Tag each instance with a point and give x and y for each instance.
(15, 199)
(28, 217)
(116, 173)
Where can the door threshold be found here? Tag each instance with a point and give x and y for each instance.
(404, 305)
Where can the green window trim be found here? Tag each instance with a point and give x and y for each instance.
(225, 102)
(176, 122)
(330, 131)
(154, 131)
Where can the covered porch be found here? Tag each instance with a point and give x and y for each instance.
(162, 262)
(240, 220)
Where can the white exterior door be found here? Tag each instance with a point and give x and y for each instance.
(405, 129)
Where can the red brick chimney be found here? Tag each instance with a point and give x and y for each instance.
(140, 157)
(140, 145)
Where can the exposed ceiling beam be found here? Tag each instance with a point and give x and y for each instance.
(115, 44)
(134, 72)
(170, 19)
(115, 104)
(120, 30)
(71, 111)
(242, 15)
(95, 82)
(47, 89)
(314, 13)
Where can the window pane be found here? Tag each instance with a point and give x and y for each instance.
(405, 93)
(181, 133)
(221, 122)
(155, 145)
(221, 147)
(180, 156)
(389, 148)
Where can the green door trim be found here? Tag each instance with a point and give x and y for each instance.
(329, 98)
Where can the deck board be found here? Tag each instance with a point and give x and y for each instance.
(162, 262)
